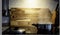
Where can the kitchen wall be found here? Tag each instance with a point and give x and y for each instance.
(51, 4)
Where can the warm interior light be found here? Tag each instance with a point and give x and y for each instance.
(24, 20)
(21, 30)
(30, 3)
